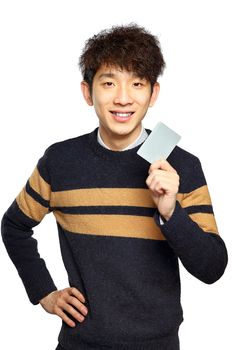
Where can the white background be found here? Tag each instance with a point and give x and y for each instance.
(41, 103)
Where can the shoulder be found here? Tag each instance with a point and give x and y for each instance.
(189, 168)
(67, 145)
(67, 149)
(183, 159)
(63, 153)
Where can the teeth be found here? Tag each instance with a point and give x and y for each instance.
(123, 115)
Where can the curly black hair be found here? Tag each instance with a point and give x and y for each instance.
(129, 47)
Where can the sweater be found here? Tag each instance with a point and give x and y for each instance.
(113, 246)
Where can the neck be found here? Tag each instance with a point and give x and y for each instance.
(117, 142)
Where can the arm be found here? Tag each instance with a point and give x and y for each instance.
(190, 226)
(27, 211)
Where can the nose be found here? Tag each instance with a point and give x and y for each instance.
(123, 96)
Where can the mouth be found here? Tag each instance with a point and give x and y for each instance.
(121, 116)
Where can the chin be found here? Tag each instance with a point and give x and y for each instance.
(122, 132)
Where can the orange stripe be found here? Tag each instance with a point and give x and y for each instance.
(110, 225)
(30, 207)
(200, 196)
(123, 197)
(103, 196)
(40, 185)
(205, 221)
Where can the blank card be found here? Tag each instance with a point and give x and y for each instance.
(159, 144)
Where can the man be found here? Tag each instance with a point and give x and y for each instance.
(122, 223)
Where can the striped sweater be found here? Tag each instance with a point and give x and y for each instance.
(114, 248)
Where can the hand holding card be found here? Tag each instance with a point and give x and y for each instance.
(163, 181)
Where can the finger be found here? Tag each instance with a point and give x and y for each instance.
(154, 174)
(77, 304)
(156, 187)
(65, 318)
(163, 165)
(74, 291)
(73, 312)
(158, 175)
(162, 176)
(164, 186)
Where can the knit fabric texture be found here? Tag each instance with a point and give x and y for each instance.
(113, 246)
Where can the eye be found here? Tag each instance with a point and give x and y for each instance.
(137, 84)
(108, 83)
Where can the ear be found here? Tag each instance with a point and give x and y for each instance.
(86, 92)
(155, 93)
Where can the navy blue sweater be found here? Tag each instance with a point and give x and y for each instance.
(114, 249)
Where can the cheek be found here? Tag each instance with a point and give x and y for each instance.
(143, 99)
(143, 102)
(101, 100)
(101, 106)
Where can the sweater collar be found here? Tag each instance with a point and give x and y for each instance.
(126, 155)
(141, 138)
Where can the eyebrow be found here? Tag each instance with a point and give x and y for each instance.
(112, 75)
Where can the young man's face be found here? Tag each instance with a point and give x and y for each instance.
(121, 100)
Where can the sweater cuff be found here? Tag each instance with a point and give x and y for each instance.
(160, 221)
(177, 226)
(37, 283)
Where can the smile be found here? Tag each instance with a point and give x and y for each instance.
(122, 114)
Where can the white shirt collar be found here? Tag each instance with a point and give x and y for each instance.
(141, 138)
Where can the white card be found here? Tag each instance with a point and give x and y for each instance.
(159, 144)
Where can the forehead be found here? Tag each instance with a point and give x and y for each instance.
(107, 71)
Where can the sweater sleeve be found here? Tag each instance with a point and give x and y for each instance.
(27, 211)
(192, 231)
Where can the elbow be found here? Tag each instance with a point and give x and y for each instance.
(213, 272)
(212, 278)
(214, 266)
(209, 268)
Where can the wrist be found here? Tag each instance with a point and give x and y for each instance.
(46, 296)
(167, 216)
